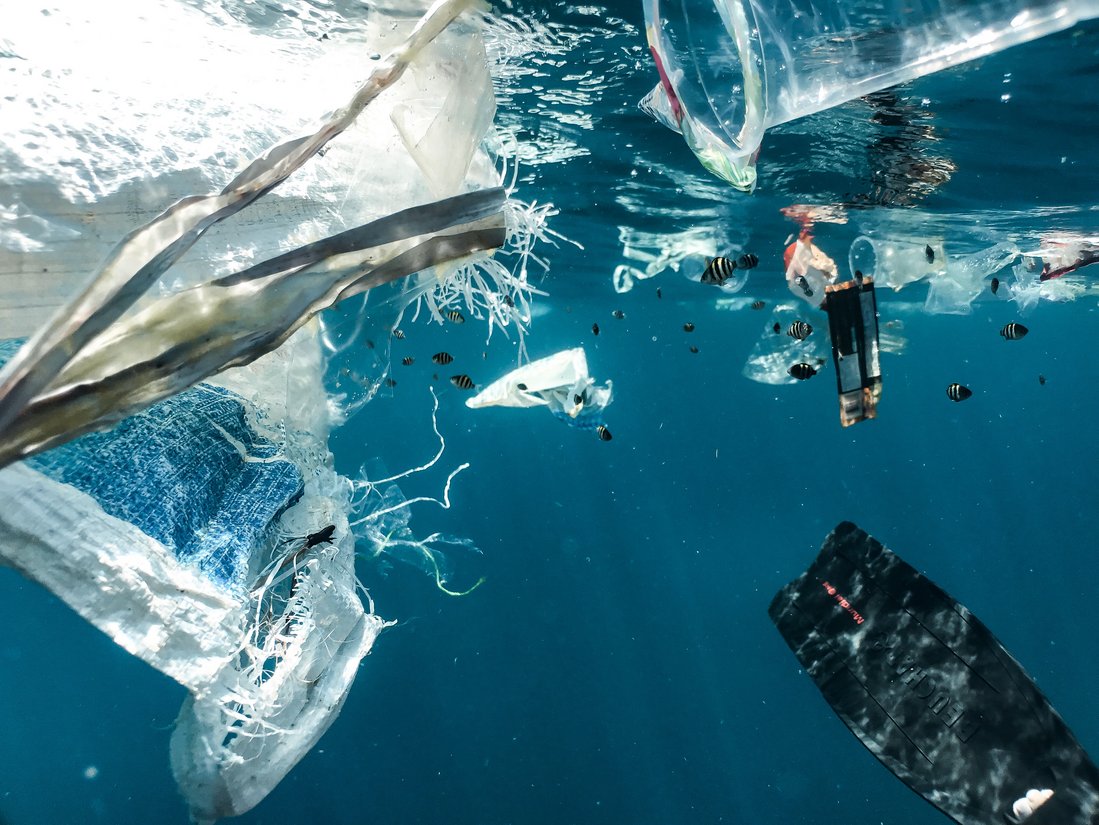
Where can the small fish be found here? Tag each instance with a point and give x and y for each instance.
(777, 327)
(803, 285)
(462, 382)
(521, 386)
(693, 349)
(389, 382)
(929, 253)
(603, 433)
(619, 314)
(799, 330)
(1042, 380)
(659, 294)
(747, 261)
(443, 358)
(758, 304)
(434, 376)
(688, 327)
(718, 271)
(578, 399)
(858, 276)
(995, 285)
(455, 316)
(595, 329)
(1014, 331)
(509, 300)
(398, 335)
(408, 360)
(956, 392)
(369, 344)
(802, 371)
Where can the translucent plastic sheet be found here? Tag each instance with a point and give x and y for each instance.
(730, 69)
(207, 532)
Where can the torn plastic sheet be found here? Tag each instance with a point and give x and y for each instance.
(226, 561)
(560, 382)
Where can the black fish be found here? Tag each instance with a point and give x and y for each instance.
(603, 433)
(693, 349)
(758, 304)
(802, 371)
(718, 271)
(320, 537)
(442, 358)
(398, 335)
(803, 285)
(747, 261)
(521, 386)
(995, 285)
(1014, 331)
(777, 328)
(956, 392)
(858, 276)
(462, 382)
(1042, 380)
(619, 314)
(455, 316)
(595, 329)
(659, 294)
(369, 344)
(578, 399)
(389, 382)
(408, 360)
(688, 327)
(929, 253)
(799, 330)
(509, 300)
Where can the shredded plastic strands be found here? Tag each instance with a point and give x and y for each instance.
(207, 532)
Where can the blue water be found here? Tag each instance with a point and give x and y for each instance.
(618, 664)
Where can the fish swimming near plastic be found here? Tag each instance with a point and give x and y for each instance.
(443, 358)
(747, 261)
(995, 285)
(929, 253)
(799, 330)
(802, 371)
(462, 382)
(1013, 331)
(455, 316)
(758, 304)
(958, 392)
(603, 433)
(718, 271)
(398, 335)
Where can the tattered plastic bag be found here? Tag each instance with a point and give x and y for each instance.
(560, 382)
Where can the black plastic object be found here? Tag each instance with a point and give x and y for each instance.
(928, 689)
(853, 324)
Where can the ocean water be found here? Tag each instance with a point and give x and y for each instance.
(618, 664)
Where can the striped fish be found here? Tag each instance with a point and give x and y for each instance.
(603, 433)
(455, 316)
(408, 360)
(398, 335)
(758, 304)
(799, 330)
(747, 261)
(462, 382)
(956, 392)
(803, 371)
(1014, 331)
(442, 358)
(718, 271)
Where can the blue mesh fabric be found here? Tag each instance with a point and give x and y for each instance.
(170, 472)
